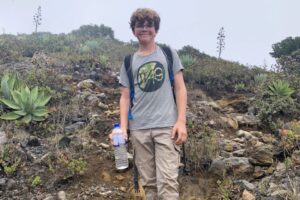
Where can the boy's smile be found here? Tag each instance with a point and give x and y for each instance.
(145, 32)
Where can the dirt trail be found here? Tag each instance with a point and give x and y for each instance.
(101, 172)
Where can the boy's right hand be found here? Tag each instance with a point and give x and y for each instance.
(125, 135)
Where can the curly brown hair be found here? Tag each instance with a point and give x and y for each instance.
(145, 14)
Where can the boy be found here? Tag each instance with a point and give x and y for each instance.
(158, 124)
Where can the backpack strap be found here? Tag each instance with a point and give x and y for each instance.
(169, 56)
(127, 63)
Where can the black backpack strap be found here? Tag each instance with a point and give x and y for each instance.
(127, 63)
(169, 56)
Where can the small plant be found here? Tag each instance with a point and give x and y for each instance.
(27, 105)
(74, 166)
(293, 192)
(273, 102)
(187, 60)
(10, 169)
(202, 147)
(103, 60)
(239, 87)
(224, 188)
(35, 181)
(295, 127)
(262, 188)
(260, 79)
(77, 166)
(50, 164)
(280, 89)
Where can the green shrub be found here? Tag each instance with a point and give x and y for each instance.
(239, 87)
(273, 102)
(280, 89)
(260, 79)
(27, 105)
(202, 146)
(187, 60)
(72, 165)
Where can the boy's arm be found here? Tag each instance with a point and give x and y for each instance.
(179, 129)
(124, 107)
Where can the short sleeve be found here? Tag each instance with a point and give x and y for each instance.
(177, 65)
(123, 77)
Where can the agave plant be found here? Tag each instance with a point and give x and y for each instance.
(9, 82)
(280, 89)
(187, 60)
(27, 105)
(260, 79)
(239, 87)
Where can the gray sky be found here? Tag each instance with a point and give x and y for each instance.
(251, 26)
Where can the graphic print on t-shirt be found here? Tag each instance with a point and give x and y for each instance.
(150, 76)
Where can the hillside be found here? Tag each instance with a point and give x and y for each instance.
(243, 123)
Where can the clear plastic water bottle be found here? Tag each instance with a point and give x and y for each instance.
(120, 150)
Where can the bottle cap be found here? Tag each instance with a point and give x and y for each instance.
(116, 125)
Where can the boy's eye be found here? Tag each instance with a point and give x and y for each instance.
(144, 24)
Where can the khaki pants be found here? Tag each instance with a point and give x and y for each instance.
(157, 160)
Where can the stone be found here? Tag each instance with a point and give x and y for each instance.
(262, 156)
(256, 133)
(61, 195)
(102, 95)
(245, 134)
(246, 185)
(64, 142)
(280, 167)
(296, 157)
(239, 165)
(258, 174)
(33, 142)
(123, 189)
(3, 183)
(239, 153)
(279, 193)
(228, 147)
(102, 105)
(49, 197)
(120, 177)
(247, 195)
(247, 120)
(217, 168)
(269, 139)
(239, 140)
(3, 138)
(73, 127)
(105, 176)
(86, 84)
(104, 145)
(231, 122)
(11, 184)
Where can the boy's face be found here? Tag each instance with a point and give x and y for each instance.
(145, 32)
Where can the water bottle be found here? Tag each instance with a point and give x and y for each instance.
(120, 150)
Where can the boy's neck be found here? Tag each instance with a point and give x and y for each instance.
(146, 49)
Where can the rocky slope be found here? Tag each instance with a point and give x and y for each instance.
(228, 155)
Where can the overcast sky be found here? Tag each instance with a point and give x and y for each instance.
(251, 26)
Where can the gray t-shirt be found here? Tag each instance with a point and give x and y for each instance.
(153, 105)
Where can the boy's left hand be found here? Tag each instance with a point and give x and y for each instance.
(179, 133)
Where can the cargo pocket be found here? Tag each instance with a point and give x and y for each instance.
(178, 150)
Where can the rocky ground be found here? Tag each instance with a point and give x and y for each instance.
(228, 154)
